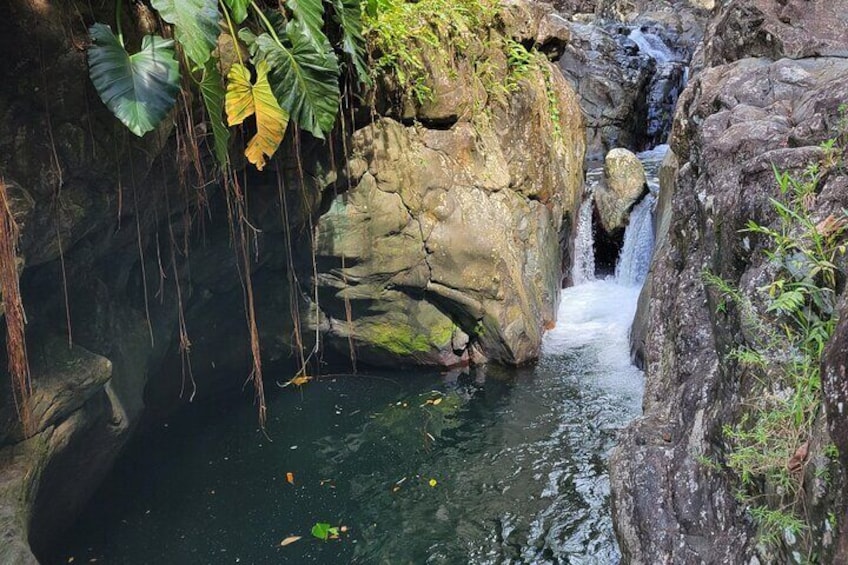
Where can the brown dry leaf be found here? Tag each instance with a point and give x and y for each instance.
(289, 540)
(290, 478)
(809, 201)
(831, 226)
(796, 462)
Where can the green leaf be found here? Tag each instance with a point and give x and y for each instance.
(310, 14)
(212, 89)
(139, 89)
(305, 78)
(238, 9)
(244, 100)
(195, 25)
(321, 530)
(348, 14)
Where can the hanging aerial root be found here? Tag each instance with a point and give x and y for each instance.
(15, 318)
(239, 226)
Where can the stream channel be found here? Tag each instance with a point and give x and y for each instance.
(494, 466)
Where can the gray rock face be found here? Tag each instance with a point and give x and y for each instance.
(611, 80)
(736, 119)
(623, 185)
(626, 60)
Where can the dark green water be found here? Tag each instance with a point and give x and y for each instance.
(519, 459)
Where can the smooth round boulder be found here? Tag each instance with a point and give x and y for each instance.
(624, 184)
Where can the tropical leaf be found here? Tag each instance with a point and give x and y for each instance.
(244, 100)
(305, 77)
(348, 14)
(212, 89)
(238, 9)
(195, 25)
(139, 89)
(310, 14)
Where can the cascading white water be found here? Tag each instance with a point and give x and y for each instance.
(651, 45)
(583, 269)
(590, 345)
(667, 81)
(635, 257)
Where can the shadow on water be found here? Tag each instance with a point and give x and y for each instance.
(518, 459)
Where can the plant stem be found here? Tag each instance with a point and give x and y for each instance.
(118, 7)
(232, 31)
(266, 23)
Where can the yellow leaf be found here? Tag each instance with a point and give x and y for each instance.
(290, 478)
(244, 100)
(301, 380)
(288, 540)
(297, 381)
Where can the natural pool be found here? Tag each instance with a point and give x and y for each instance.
(518, 458)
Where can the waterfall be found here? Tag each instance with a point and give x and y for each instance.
(652, 45)
(667, 82)
(635, 258)
(583, 269)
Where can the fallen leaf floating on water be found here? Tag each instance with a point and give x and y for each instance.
(433, 402)
(289, 540)
(299, 380)
(290, 478)
(325, 531)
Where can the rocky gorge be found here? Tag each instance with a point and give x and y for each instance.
(429, 233)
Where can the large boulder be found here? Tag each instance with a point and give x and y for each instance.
(739, 117)
(442, 245)
(624, 184)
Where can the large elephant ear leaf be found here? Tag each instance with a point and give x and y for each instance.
(310, 14)
(195, 25)
(348, 14)
(212, 89)
(244, 100)
(238, 9)
(305, 78)
(139, 89)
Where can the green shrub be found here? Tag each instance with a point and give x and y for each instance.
(768, 446)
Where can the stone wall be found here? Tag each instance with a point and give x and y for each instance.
(772, 77)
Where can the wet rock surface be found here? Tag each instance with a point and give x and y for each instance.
(746, 111)
(627, 61)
